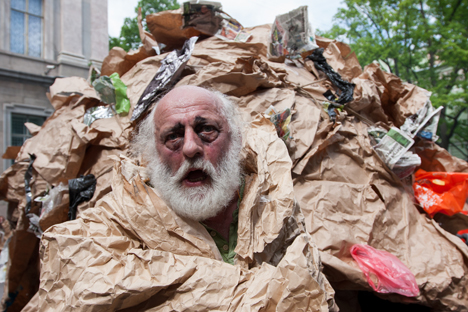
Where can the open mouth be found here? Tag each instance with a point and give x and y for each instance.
(196, 176)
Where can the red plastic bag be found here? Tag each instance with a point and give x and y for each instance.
(391, 275)
(444, 192)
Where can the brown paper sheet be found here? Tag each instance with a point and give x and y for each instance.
(11, 152)
(12, 182)
(147, 39)
(179, 268)
(66, 91)
(341, 58)
(216, 50)
(435, 158)
(397, 99)
(99, 162)
(32, 128)
(61, 146)
(32, 304)
(348, 198)
(23, 272)
(344, 193)
(166, 27)
(60, 161)
(248, 75)
(119, 61)
(58, 214)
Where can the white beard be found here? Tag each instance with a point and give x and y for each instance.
(202, 202)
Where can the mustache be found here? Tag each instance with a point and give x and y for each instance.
(198, 164)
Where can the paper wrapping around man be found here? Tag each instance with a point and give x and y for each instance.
(192, 221)
(174, 242)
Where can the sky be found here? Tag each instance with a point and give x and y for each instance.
(247, 12)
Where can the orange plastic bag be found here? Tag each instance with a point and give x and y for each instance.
(444, 192)
(391, 275)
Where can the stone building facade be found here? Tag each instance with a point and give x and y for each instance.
(41, 40)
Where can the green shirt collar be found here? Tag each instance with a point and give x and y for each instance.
(227, 248)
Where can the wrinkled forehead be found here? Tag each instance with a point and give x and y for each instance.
(186, 104)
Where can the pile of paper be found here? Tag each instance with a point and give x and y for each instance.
(346, 189)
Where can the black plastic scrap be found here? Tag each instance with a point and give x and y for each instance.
(80, 190)
(34, 226)
(27, 182)
(165, 78)
(346, 87)
(331, 108)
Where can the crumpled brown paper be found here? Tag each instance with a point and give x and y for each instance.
(435, 158)
(248, 75)
(166, 27)
(67, 91)
(11, 152)
(119, 61)
(65, 148)
(131, 242)
(216, 50)
(340, 57)
(378, 93)
(348, 197)
(345, 193)
(147, 39)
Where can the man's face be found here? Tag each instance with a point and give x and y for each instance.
(188, 126)
(197, 169)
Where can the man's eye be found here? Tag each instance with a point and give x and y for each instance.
(208, 129)
(172, 137)
(208, 133)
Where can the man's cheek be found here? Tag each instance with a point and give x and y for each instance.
(170, 160)
(216, 155)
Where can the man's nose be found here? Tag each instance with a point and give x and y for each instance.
(192, 144)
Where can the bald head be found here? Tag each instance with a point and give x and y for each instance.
(186, 95)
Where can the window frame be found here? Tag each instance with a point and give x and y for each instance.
(23, 109)
(26, 33)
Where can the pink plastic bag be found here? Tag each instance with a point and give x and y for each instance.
(391, 275)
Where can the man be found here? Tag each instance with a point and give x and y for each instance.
(198, 236)
(198, 168)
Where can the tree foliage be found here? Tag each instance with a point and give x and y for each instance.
(129, 38)
(422, 41)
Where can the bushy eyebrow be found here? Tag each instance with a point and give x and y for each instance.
(178, 127)
(200, 120)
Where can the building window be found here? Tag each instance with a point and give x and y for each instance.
(14, 130)
(19, 133)
(26, 27)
